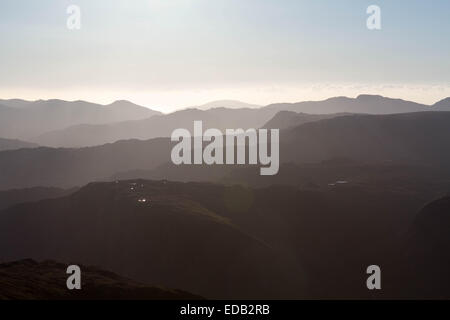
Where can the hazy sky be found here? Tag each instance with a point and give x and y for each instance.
(168, 54)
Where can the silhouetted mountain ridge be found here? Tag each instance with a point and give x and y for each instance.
(229, 104)
(371, 104)
(157, 126)
(12, 144)
(11, 197)
(287, 119)
(409, 139)
(443, 105)
(26, 120)
(227, 118)
(64, 167)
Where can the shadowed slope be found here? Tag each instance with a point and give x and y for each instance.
(30, 280)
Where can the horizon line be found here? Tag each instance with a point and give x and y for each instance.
(198, 107)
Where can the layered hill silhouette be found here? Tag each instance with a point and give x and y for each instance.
(443, 105)
(26, 120)
(371, 104)
(229, 104)
(12, 144)
(11, 197)
(420, 138)
(409, 138)
(31, 280)
(158, 126)
(353, 189)
(288, 119)
(223, 118)
(49, 167)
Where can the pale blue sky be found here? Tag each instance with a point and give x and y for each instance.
(174, 53)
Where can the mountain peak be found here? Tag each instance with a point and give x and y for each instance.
(369, 97)
(229, 104)
(444, 103)
(125, 104)
(119, 102)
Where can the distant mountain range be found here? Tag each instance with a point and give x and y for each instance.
(157, 126)
(59, 123)
(229, 104)
(371, 104)
(26, 120)
(222, 118)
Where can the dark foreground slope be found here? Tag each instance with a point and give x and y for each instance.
(223, 241)
(170, 238)
(31, 280)
(427, 251)
(11, 197)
